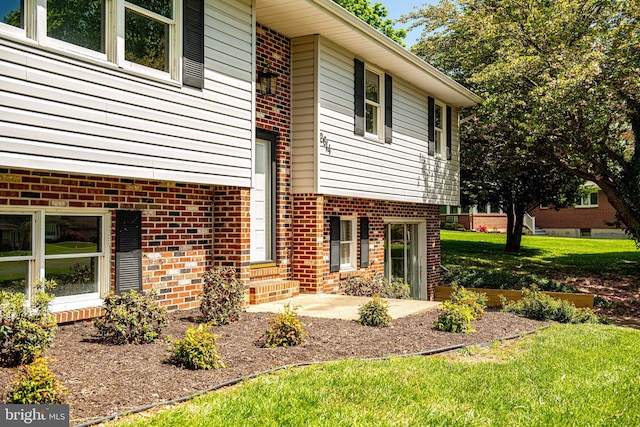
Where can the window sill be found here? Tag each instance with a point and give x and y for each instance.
(75, 302)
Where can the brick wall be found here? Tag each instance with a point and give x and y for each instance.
(232, 230)
(312, 237)
(575, 218)
(309, 264)
(273, 114)
(176, 221)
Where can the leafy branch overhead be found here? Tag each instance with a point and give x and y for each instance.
(374, 15)
(561, 79)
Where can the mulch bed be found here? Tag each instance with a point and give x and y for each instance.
(106, 379)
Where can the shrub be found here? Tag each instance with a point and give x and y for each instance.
(451, 226)
(131, 318)
(372, 285)
(197, 350)
(222, 296)
(285, 329)
(36, 386)
(540, 306)
(455, 318)
(476, 301)
(374, 313)
(25, 332)
(498, 279)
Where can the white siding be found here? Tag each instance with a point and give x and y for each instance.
(304, 133)
(363, 167)
(61, 113)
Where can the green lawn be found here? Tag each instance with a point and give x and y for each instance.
(567, 375)
(540, 254)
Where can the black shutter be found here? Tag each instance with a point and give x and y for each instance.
(431, 133)
(364, 242)
(388, 110)
(449, 142)
(358, 102)
(334, 254)
(193, 44)
(128, 251)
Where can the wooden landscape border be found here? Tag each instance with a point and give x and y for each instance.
(579, 300)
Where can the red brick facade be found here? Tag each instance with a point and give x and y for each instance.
(176, 223)
(312, 237)
(577, 217)
(273, 114)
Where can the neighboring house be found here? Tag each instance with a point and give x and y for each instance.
(138, 150)
(476, 217)
(593, 216)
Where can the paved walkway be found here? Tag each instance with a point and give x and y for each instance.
(339, 306)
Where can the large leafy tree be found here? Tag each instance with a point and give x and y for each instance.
(562, 78)
(374, 15)
(496, 171)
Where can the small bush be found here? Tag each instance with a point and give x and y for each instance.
(222, 296)
(455, 318)
(476, 301)
(540, 306)
(374, 313)
(25, 332)
(131, 318)
(197, 350)
(372, 285)
(451, 226)
(36, 386)
(285, 329)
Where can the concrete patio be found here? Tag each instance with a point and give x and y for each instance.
(339, 306)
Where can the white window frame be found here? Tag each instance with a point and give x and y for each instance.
(585, 201)
(36, 270)
(379, 105)
(35, 30)
(351, 244)
(439, 132)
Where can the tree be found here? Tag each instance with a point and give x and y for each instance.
(494, 170)
(562, 77)
(374, 15)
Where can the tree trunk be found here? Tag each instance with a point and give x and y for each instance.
(515, 223)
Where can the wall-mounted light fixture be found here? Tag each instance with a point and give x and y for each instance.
(267, 82)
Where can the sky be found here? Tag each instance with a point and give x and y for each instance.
(397, 8)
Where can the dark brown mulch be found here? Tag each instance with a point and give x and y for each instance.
(108, 379)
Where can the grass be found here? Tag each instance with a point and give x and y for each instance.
(540, 254)
(584, 375)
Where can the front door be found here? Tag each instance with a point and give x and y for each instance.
(262, 203)
(404, 246)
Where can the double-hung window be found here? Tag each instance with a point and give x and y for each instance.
(141, 35)
(588, 200)
(347, 243)
(67, 247)
(373, 106)
(438, 128)
(373, 109)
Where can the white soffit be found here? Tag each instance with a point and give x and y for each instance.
(297, 18)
